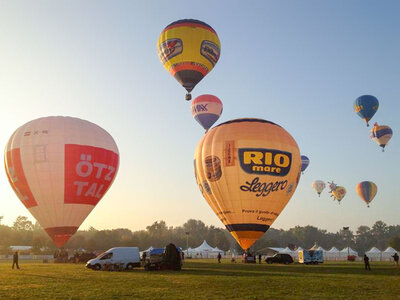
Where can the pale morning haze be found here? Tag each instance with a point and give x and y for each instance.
(300, 64)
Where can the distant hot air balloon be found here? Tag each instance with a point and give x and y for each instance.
(247, 170)
(60, 168)
(381, 134)
(318, 186)
(206, 109)
(304, 163)
(366, 106)
(338, 192)
(189, 50)
(367, 191)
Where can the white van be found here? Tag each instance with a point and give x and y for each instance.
(127, 256)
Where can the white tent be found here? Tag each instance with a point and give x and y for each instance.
(205, 251)
(388, 253)
(332, 254)
(296, 252)
(216, 249)
(288, 251)
(374, 254)
(346, 252)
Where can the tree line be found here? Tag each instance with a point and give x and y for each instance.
(193, 233)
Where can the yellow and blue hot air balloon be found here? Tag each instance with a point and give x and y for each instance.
(189, 50)
(366, 106)
(206, 109)
(247, 170)
(381, 134)
(305, 161)
(367, 191)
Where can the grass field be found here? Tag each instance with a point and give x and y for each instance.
(202, 279)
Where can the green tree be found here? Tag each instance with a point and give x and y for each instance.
(394, 242)
(22, 223)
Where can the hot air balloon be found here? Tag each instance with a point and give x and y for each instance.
(367, 191)
(304, 163)
(366, 106)
(189, 50)
(338, 192)
(381, 134)
(206, 109)
(318, 186)
(60, 168)
(247, 170)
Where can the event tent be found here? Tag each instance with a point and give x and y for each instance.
(332, 254)
(346, 252)
(374, 254)
(204, 251)
(388, 253)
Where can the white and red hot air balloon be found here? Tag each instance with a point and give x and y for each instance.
(60, 168)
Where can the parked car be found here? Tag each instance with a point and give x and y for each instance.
(116, 258)
(279, 258)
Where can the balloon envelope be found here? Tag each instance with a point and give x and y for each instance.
(304, 163)
(381, 134)
(367, 191)
(366, 106)
(60, 168)
(206, 109)
(339, 193)
(247, 170)
(318, 186)
(189, 50)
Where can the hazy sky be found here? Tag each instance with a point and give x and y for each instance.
(300, 64)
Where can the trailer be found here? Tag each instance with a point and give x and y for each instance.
(312, 257)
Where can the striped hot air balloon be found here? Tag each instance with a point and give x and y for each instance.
(206, 109)
(367, 191)
(305, 161)
(381, 134)
(60, 168)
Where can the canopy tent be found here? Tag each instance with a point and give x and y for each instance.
(287, 250)
(346, 252)
(374, 254)
(388, 253)
(216, 249)
(332, 254)
(204, 251)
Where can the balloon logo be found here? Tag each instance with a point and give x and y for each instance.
(247, 170)
(318, 186)
(304, 163)
(189, 50)
(366, 106)
(60, 168)
(381, 134)
(367, 191)
(206, 109)
(338, 192)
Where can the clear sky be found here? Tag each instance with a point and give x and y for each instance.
(300, 64)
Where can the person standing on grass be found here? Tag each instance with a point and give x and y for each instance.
(396, 259)
(259, 258)
(15, 260)
(219, 257)
(366, 262)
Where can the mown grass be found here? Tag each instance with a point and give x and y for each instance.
(202, 279)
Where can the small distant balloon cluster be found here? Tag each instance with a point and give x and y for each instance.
(366, 106)
(366, 190)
